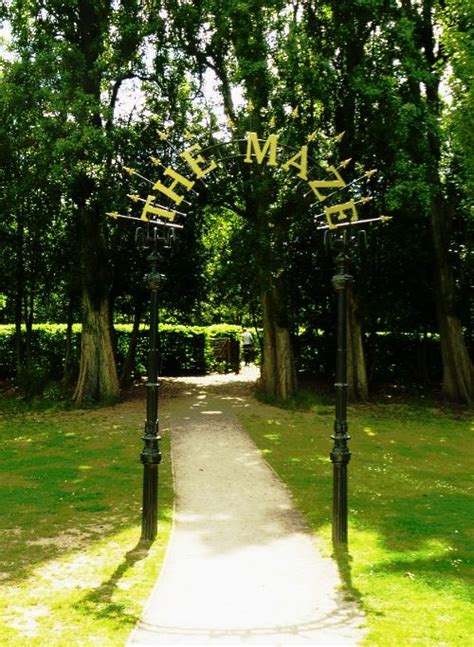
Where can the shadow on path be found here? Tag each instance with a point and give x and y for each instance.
(241, 566)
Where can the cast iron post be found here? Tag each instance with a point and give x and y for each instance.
(340, 454)
(150, 455)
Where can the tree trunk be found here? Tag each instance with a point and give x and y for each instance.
(457, 367)
(278, 376)
(29, 317)
(350, 46)
(18, 333)
(458, 377)
(98, 375)
(97, 372)
(19, 291)
(356, 370)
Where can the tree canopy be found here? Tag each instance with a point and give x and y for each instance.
(88, 88)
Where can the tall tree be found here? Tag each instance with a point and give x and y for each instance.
(233, 41)
(86, 50)
(87, 39)
(29, 199)
(458, 375)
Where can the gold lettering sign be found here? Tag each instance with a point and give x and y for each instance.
(261, 151)
(195, 162)
(338, 183)
(341, 212)
(169, 190)
(253, 148)
(149, 207)
(300, 162)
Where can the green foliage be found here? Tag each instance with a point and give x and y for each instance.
(183, 350)
(407, 360)
(457, 37)
(369, 68)
(32, 380)
(48, 348)
(401, 359)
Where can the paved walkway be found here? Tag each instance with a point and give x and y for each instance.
(241, 568)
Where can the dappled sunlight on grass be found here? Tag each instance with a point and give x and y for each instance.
(71, 563)
(369, 431)
(82, 591)
(273, 437)
(408, 597)
(410, 510)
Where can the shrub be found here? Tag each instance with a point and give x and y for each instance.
(33, 380)
(391, 358)
(184, 350)
(48, 349)
(404, 359)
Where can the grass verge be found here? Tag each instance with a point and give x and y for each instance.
(72, 568)
(410, 511)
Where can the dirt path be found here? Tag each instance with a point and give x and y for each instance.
(241, 567)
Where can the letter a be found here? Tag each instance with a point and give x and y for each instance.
(299, 161)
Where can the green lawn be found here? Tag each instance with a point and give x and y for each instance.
(411, 511)
(72, 569)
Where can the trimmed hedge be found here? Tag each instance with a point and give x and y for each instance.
(391, 358)
(184, 349)
(405, 359)
(48, 349)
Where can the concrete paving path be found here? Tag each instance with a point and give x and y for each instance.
(241, 568)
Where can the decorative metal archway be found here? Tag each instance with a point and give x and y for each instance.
(163, 212)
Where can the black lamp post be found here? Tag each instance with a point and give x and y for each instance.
(150, 456)
(340, 454)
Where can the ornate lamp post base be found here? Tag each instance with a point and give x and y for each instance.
(150, 502)
(340, 457)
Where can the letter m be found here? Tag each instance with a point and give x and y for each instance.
(253, 148)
